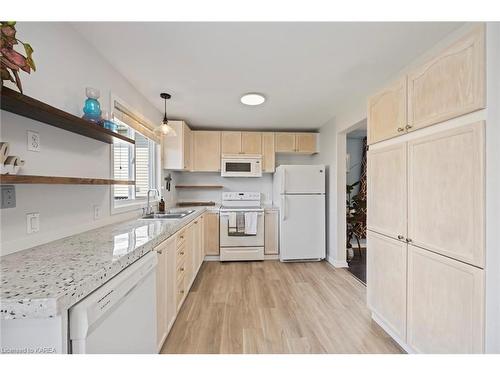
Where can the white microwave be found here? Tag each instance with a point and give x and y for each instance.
(241, 166)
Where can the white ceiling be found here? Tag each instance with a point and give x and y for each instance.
(308, 71)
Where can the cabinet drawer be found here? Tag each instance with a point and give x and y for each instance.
(181, 270)
(181, 292)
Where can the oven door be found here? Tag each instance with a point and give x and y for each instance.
(238, 240)
(241, 167)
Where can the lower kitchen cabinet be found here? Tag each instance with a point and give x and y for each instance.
(386, 281)
(445, 304)
(165, 289)
(271, 232)
(179, 260)
(211, 233)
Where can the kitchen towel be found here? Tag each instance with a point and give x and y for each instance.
(240, 223)
(4, 151)
(251, 223)
(231, 225)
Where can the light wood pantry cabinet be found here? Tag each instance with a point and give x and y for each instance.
(211, 233)
(304, 143)
(387, 190)
(271, 232)
(449, 85)
(268, 153)
(241, 142)
(446, 193)
(165, 289)
(387, 112)
(177, 151)
(207, 151)
(445, 304)
(386, 278)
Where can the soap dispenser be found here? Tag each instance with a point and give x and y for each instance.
(161, 205)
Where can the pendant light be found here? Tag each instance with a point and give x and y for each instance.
(165, 128)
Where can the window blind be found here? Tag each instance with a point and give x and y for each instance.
(139, 125)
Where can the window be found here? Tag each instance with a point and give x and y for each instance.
(133, 162)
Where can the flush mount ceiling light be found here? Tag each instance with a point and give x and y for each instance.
(165, 128)
(253, 98)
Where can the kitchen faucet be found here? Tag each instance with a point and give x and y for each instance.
(149, 208)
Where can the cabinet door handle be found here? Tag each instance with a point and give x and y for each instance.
(182, 253)
(182, 269)
(159, 251)
(401, 130)
(408, 127)
(400, 237)
(409, 240)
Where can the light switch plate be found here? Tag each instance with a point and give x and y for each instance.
(33, 141)
(8, 196)
(33, 222)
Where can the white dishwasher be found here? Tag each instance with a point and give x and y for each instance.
(120, 316)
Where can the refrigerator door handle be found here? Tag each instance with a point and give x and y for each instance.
(283, 182)
(283, 205)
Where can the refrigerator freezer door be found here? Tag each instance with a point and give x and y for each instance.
(301, 179)
(302, 227)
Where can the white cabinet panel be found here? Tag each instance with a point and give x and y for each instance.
(446, 193)
(386, 280)
(445, 304)
(387, 200)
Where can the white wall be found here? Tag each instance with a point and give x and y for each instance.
(354, 148)
(493, 189)
(66, 64)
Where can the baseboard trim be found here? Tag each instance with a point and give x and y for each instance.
(391, 333)
(337, 263)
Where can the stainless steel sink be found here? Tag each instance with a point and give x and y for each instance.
(169, 215)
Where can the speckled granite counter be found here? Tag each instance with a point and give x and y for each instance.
(46, 280)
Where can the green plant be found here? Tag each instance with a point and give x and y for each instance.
(11, 60)
(355, 214)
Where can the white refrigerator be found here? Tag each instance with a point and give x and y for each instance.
(299, 192)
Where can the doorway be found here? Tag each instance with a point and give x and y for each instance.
(356, 249)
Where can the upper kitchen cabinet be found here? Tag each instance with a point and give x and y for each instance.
(446, 196)
(304, 143)
(268, 154)
(206, 151)
(251, 143)
(177, 151)
(241, 142)
(285, 142)
(449, 85)
(387, 112)
(230, 142)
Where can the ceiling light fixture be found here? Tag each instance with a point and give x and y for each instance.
(165, 128)
(253, 98)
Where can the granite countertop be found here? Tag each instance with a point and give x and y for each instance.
(46, 280)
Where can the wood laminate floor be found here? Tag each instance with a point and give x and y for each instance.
(273, 307)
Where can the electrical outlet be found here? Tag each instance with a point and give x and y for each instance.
(33, 222)
(8, 196)
(97, 212)
(33, 141)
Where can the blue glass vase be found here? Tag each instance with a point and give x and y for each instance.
(92, 108)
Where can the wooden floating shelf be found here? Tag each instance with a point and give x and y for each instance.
(199, 187)
(53, 180)
(15, 102)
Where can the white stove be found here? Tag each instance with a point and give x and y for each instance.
(241, 226)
